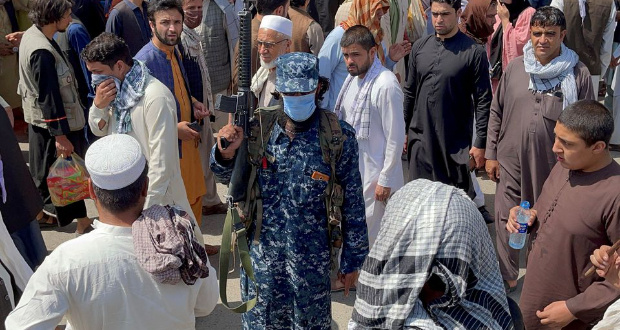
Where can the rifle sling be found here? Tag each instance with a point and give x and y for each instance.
(233, 222)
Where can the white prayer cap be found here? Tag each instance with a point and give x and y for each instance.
(277, 23)
(115, 161)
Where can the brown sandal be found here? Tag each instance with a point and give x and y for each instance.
(211, 249)
(47, 221)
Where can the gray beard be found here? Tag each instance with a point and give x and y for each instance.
(268, 66)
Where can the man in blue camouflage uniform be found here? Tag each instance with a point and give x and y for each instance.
(291, 261)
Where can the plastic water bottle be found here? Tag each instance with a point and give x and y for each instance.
(517, 240)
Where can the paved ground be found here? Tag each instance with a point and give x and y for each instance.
(211, 227)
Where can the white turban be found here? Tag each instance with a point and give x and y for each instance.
(277, 23)
(115, 161)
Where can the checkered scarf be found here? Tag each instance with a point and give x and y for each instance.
(165, 245)
(361, 103)
(560, 71)
(364, 12)
(431, 228)
(128, 93)
(192, 48)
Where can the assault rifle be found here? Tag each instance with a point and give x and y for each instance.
(242, 106)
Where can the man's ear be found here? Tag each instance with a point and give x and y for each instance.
(91, 191)
(152, 25)
(599, 146)
(562, 34)
(145, 189)
(279, 11)
(373, 52)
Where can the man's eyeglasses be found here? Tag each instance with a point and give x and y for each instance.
(268, 45)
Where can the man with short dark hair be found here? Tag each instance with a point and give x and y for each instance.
(128, 20)
(520, 158)
(331, 61)
(165, 63)
(129, 100)
(576, 213)
(372, 102)
(51, 105)
(447, 84)
(108, 279)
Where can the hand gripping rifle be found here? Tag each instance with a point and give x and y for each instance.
(242, 106)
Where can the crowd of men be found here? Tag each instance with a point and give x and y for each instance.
(444, 87)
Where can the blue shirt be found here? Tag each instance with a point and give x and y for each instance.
(118, 25)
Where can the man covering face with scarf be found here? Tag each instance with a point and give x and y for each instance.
(531, 95)
(291, 256)
(128, 100)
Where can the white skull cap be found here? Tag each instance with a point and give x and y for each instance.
(115, 161)
(277, 23)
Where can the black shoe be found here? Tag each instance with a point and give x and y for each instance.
(488, 218)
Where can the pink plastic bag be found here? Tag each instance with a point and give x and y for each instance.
(68, 180)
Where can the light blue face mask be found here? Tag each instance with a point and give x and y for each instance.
(299, 108)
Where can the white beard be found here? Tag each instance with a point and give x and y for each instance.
(267, 66)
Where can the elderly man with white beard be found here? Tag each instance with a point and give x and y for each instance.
(273, 39)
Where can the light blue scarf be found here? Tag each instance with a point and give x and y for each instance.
(128, 93)
(558, 71)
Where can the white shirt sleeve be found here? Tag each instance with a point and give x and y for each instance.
(392, 99)
(95, 116)
(608, 39)
(559, 4)
(160, 118)
(43, 303)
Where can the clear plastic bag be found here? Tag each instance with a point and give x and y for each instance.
(68, 180)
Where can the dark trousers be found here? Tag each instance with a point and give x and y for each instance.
(42, 156)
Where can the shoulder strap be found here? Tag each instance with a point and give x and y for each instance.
(233, 224)
(331, 138)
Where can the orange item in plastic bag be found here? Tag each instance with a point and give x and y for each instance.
(68, 180)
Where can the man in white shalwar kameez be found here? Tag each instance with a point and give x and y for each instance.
(128, 100)
(372, 102)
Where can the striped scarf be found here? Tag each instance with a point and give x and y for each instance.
(361, 104)
(128, 93)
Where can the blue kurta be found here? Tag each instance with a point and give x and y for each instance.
(292, 260)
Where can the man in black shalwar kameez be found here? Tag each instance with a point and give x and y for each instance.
(448, 82)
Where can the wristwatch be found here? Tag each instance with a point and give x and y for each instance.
(15, 49)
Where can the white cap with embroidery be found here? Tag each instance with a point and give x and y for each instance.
(277, 23)
(115, 161)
